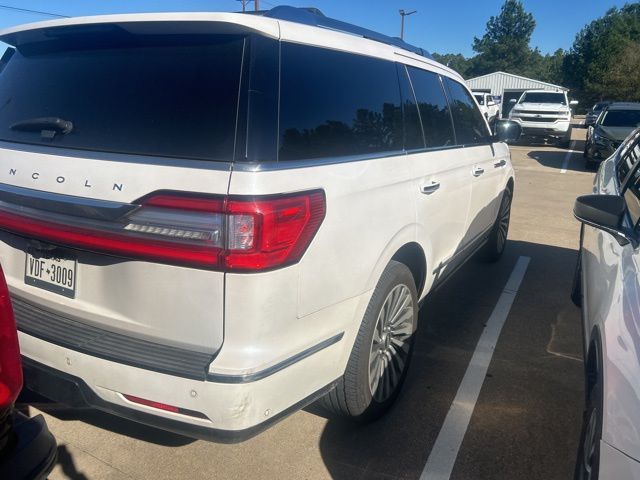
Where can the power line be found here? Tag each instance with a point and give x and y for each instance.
(37, 12)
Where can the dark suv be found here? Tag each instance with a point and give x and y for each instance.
(615, 123)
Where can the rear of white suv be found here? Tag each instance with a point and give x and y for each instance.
(202, 214)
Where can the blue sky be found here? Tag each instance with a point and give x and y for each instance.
(439, 26)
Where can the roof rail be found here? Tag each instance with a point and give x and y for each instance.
(314, 17)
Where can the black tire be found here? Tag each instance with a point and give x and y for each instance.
(497, 241)
(588, 459)
(353, 396)
(564, 142)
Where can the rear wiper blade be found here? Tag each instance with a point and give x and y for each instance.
(47, 126)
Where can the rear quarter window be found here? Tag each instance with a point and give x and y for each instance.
(433, 107)
(336, 104)
(469, 123)
(175, 96)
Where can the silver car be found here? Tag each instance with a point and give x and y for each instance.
(607, 286)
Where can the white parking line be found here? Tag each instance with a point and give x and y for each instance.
(565, 162)
(445, 451)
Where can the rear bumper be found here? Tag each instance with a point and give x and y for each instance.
(75, 393)
(220, 411)
(34, 452)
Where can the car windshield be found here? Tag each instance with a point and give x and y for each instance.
(480, 99)
(544, 97)
(621, 118)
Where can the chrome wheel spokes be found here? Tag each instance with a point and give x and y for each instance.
(503, 222)
(391, 343)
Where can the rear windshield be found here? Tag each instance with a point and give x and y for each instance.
(544, 97)
(174, 96)
(480, 99)
(621, 118)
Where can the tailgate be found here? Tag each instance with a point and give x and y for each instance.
(116, 144)
(154, 312)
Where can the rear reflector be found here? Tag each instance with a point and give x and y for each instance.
(221, 233)
(163, 406)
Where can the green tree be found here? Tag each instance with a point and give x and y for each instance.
(620, 81)
(505, 44)
(596, 67)
(456, 61)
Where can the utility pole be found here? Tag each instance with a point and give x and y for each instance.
(402, 15)
(244, 5)
(256, 3)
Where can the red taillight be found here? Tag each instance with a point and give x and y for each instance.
(222, 233)
(10, 365)
(267, 233)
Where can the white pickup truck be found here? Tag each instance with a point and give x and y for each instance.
(544, 113)
(488, 106)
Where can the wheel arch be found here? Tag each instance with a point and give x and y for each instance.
(412, 255)
(593, 361)
(511, 184)
(404, 248)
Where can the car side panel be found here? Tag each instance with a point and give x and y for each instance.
(611, 291)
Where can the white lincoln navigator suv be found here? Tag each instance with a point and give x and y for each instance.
(208, 220)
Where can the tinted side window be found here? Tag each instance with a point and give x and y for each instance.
(334, 104)
(469, 124)
(630, 154)
(632, 197)
(434, 111)
(413, 137)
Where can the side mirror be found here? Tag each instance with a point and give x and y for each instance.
(605, 212)
(573, 103)
(513, 100)
(507, 131)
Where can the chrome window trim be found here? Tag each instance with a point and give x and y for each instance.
(116, 157)
(322, 161)
(27, 198)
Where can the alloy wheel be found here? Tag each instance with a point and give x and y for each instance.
(503, 222)
(390, 344)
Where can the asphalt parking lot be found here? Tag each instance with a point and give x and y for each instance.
(524, 425)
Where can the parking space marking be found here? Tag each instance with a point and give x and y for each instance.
(565, 162)
(445, 450)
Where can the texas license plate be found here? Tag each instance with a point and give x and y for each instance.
(51, 272)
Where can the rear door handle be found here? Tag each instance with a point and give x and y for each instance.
(477, 171)
(499, 164)
(430, 188)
